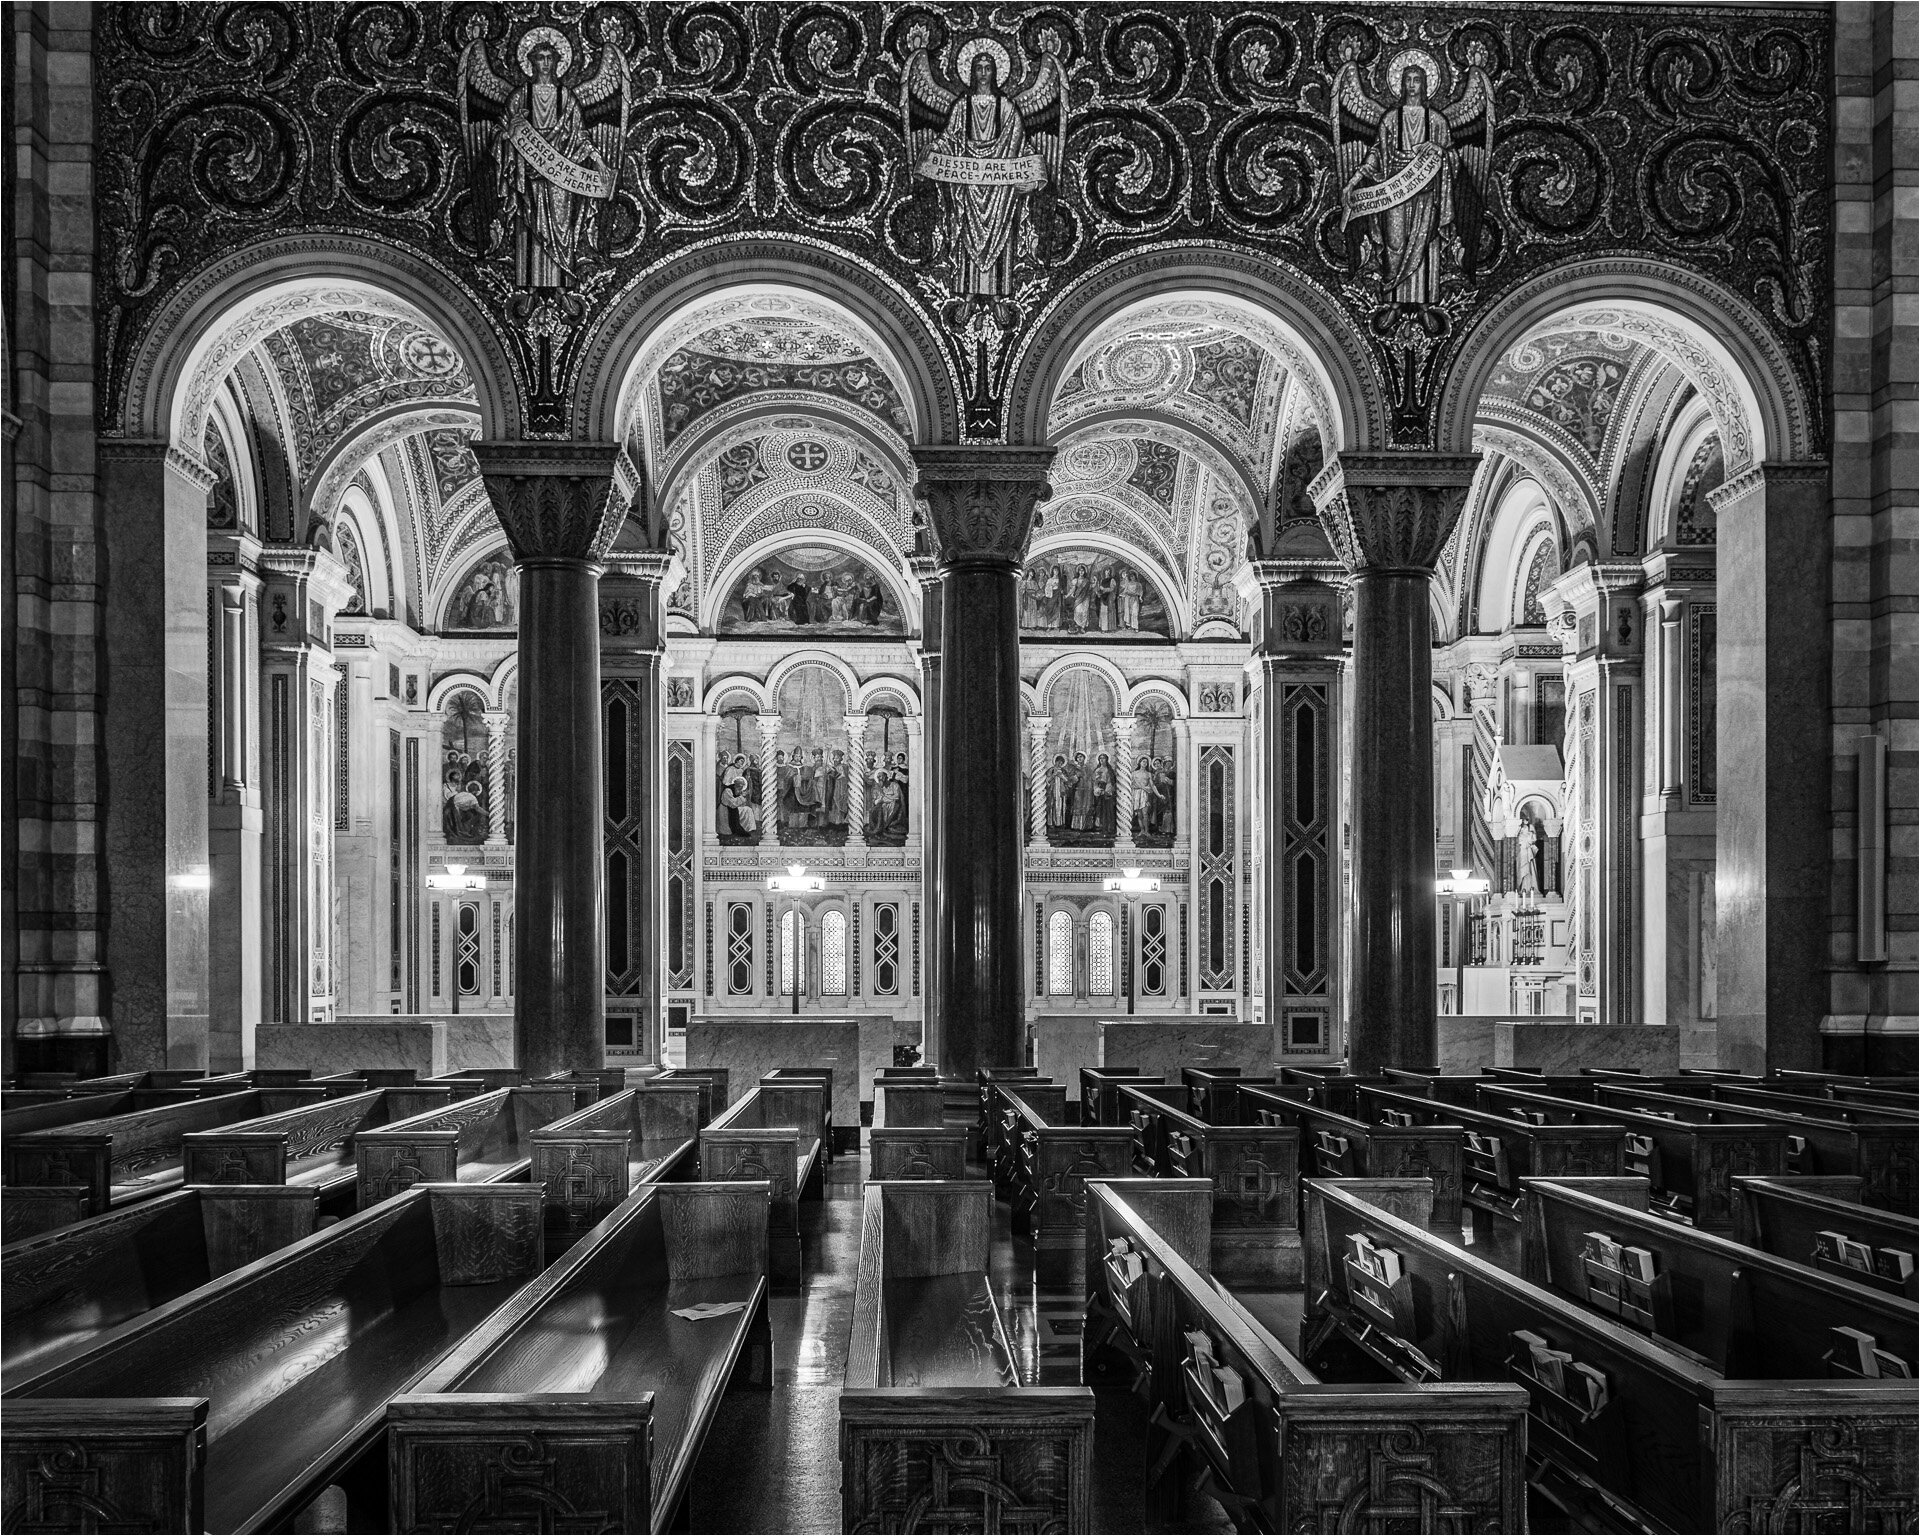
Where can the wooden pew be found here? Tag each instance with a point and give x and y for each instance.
(1000, 1147)
(1749, 1313)
(1762, 1095)
(1293, 1452)
(232, 1407)
(1673, 1440)
(27, 1210)
(1879, 1152)
(312, 1146)
(592, 1160)
(930, 1368)
(1042, 1169)
(717, 1079)
(122, 1158)
(925, 1152)
(1458, 1089)
(1689, 1165)
(1339, 1146)
(1099, 1102)
(980, 1146)
(920, 1102)
(52, 1114)
(523, 1427)
(487, 1139)
(1212, 1090)
(772, 1133)
(1497, 1151)
(1796, 1217)
(65, 1289)
(1254, 1171)
(834, 1139)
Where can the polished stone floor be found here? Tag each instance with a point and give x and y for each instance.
(772, 1461)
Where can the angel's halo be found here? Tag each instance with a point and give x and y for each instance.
(551, 36)
(1406, 58)
(971, 49)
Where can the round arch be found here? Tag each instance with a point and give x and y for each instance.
(1159, 688)
(466, 680)
(740, 421)
(322, 488)
(906, 594)
(1217, 457)
(810, 657)
(876, 691)
(695, 277)
(1073, 661)
(213, 317)
(1702, 327)
(1171, 598)
(1328, 345)
(722, 690)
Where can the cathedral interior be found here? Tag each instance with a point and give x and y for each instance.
(907, 767)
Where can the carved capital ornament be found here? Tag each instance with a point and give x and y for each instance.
(553, 499)
(1386, 512)
(981, 502)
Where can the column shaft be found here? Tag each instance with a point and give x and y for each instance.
(925, 804)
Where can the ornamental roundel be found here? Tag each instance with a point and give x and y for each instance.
(1405, 169)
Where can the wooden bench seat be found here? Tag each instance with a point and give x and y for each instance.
(1334, 1145)
(917, 1152)
(1880, 1153)
(1211, 1090)
(1254, 1170)
(592, 1160)
(1747, 1312)
(118, 1159)
(487, 1139)
(1765, 1095)
(1690, 1165)
(772, 1133)
(281, 1370)
(1447, 1087)
(930, 1360)
(1294, 1452)
(1497, 1151)
(65, 1289)
(833, 1138)
(1677, 1443)
(312, 1146)
(591, 1371)
(1099, 1099)
(1794, 1217)
(718, 1083)
(63, 1110)
(998, 1146)
(1041, 1167)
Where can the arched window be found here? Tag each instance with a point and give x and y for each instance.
(793, 933)
(1100, 953)
(1060, 955)
(833, 954)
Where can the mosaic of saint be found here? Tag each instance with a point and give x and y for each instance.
(1088, 592)
(813, 590)
(812, 765)
(486, 597)
(465, 794)
(1083, 767)
(737, 805)
(1156, 776)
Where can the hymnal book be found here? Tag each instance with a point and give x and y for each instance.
(1856, 1255)
(1893, 1264)
(1637, 1264)
(1601, 1249)
(1586, 1379)
(1857, 1350)
(1199, 1344)
(1890, 1364)
(1387, 1265)
(1528, 1340)
(1826, 1245)
(1232, 1390)
(1550, 1367)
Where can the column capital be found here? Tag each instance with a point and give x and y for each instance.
(556, 500)
(1387, 512)
(1593, 608)
(1298, 615)
(1038, 726)
(632, 603)
(981, 500)
(1757, 477)
(301, 580)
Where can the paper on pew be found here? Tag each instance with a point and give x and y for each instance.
(701, 1311)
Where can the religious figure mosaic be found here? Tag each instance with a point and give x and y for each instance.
(812, 590)
(466, 797)
(1081, 592)
(1083, 763)
(812, 762)
(486, 597)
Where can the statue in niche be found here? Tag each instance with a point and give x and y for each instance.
(545, 155)
(1412, 193)
(1527, 861)
(989, 151)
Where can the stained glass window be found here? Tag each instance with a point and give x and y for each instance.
(833, 954)
(792, 935)
(1100, 953)
(1060, 954)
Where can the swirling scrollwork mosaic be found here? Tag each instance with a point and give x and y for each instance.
(1410, 165)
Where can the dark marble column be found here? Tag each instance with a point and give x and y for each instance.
(1297, 653)
(552, 499)
(928, 572)
(633, 654)
(980, 505)
(1774, 900)
(1389, 515)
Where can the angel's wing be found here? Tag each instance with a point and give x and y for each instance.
(1470, 119)
(482, 95)
(924, 104)
(1356, 117)
(604, 107)
(1043, 113)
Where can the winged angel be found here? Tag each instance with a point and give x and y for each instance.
(1413, 176)
(544, 155)
(989, 151)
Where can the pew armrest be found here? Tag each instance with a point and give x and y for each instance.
(105, 1463)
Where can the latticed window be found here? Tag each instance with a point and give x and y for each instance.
(1100, 953)
(1060, 955)
(793, 933)
(833, 954)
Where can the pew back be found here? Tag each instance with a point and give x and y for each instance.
(1802, 1219)
(924, 1152)
(590, 1161)
(487, 1139)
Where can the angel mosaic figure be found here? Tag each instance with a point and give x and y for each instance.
(989, 148)
(545, 154)
(1412, 176)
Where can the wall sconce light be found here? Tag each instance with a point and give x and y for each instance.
(456, 879)
(796, 879)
